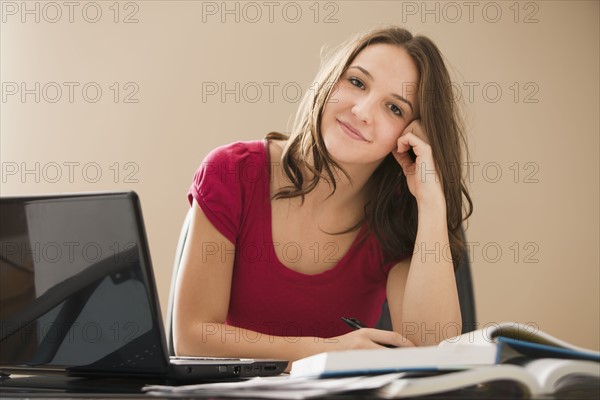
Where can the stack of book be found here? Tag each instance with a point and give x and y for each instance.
(506, 356)
(507, 360)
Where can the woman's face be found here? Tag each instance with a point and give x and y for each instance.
(371, 104)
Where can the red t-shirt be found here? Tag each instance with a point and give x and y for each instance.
(232, 188)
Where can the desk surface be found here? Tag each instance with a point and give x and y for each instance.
(65, 387)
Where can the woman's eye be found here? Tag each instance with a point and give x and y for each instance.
(356, 82)
(396, 110)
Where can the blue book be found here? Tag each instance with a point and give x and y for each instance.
(492, 345)
(386, 360)
(513, 339)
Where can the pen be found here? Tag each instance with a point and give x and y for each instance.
(356, 324)
(353, 323)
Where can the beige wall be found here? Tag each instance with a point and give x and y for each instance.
(527, 73)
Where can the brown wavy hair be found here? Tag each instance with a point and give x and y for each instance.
(391, 210)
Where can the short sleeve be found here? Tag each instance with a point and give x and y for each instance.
(380, 267)
(217, 190)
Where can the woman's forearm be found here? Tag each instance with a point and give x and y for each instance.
(431, 310)
(221, 340)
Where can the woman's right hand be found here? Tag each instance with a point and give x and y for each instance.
(369, 338)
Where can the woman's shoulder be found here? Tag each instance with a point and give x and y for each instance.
(239, 164)
(255, 153)
(238, 151)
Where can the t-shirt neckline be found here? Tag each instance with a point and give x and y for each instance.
(281, 268)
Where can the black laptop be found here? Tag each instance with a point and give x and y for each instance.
(78, 296)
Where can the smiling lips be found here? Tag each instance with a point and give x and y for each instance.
(352, 132)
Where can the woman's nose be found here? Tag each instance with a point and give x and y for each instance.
(363, 109)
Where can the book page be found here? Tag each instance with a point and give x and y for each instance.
(554, 373)
(529, 332)
(276, 387)
(408, 387)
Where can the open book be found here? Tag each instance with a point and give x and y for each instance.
(513, 339)
(491, 345)
(533, 378)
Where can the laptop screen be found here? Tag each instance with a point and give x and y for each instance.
(76, 287)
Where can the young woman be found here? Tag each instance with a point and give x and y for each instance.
(362, 202)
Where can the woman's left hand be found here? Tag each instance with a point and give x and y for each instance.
(421, 174)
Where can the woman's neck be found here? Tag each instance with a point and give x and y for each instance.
(345, 205)
(350, 188)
